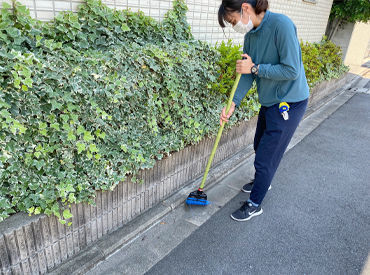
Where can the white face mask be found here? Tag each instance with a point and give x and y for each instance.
(242, 28)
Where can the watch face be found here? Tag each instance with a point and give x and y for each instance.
(254, 69)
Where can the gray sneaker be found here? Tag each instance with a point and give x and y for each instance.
(246, 212)
(247, 188)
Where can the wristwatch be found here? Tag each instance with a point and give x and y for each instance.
(254, 69)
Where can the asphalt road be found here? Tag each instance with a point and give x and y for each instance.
(316, 217)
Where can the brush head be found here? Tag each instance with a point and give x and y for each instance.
(197, 197)
(193, 201)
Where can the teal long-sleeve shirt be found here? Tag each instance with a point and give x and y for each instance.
(275, 47)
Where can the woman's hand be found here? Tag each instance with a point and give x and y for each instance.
(244, 66)
(223, 116)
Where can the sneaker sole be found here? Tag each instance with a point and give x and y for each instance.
(246, 191)
(246, 219)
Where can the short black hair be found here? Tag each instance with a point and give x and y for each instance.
(228, 6)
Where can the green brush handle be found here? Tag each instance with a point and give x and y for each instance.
(220, 130)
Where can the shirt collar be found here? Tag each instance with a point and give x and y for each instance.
(265, 18)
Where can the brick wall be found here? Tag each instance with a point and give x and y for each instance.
(310, 18)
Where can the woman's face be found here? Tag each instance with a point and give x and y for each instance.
(234, 17)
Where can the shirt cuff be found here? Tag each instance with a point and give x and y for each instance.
(262, 70)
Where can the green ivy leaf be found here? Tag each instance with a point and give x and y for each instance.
(71, 136)
(93, 148)
(89, 155)
(55, 126)
(42, 125)
(80, 147)
(28, 81)
(80, 129)
(29, 210)
(124, 148)
(125, 28)
(37, 210)
(55, 105)
(43, 132)
(88, 137)
(65, 118)
(13, 32)
(67, 214)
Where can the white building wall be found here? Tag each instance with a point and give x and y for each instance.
(310, 18)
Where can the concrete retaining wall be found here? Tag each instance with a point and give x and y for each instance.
(37, 244)
(325, 88)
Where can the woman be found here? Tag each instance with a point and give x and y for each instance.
(272, 57)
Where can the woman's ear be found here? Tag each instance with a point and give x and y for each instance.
(247, 12)
(248, 9)
(245, 7)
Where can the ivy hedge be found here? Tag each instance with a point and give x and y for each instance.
(91, 98)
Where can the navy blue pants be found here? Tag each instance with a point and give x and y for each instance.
(272, 137)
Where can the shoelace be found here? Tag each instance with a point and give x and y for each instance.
(245, 205)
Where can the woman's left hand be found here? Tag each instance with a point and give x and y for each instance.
(244, 66)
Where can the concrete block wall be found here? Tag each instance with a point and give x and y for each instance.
(310, 17)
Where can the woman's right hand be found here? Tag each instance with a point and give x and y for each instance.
(225, 117)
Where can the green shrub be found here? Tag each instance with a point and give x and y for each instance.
(331, 58)
(322, 61)
(84, 104)
(229, 54)
(311, 62)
